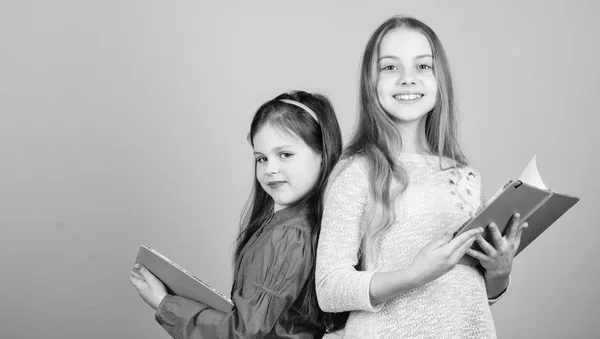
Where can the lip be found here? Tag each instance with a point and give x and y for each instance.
(408, 92)
(408, 97)
(275, 184)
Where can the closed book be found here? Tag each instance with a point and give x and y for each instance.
(180, 282)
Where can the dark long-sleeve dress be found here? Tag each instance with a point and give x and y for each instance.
(269, 290)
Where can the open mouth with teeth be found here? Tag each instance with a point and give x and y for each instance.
(408, 97)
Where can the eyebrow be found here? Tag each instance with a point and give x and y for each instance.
(276, 149)
(420, 56)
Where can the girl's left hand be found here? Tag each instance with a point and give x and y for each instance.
(150, 288)
(497, 259)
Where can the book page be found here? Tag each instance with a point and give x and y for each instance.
(531, 175)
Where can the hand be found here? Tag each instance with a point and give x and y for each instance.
(497, 259)
(441, 255)
(150, 288)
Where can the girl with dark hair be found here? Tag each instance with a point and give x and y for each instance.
(296, 141)
(386, 250)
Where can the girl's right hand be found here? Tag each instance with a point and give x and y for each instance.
(441, 255)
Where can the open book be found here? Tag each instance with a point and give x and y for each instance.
(529, 197)
(180, 282)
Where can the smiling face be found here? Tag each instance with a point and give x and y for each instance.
(406, 86)
(286, 167)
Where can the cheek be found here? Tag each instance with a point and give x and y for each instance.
(432, 90)
(431, 84)
(259, 173)
(315, 169)
(384, 82)
(381, 91)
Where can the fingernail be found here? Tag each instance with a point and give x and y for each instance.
(525, 225)
(517, 215)
(136, 265)
(493, 224)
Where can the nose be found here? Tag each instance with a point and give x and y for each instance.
(272, 167)
(407, 78)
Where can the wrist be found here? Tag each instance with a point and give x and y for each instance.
(413, 276)
(159, 300)
(495, 275)
(496, 285)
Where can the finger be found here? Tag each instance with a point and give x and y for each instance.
(150, 278)
(143, 271)
(486, 246)
(513, 227)
(137, 283)
(460, 240)
(460, 251)
(478, 255)
(136, 274)
(521, 229)
(496, 235)
(440, 241)
(519, 234)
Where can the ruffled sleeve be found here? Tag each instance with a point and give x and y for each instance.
(277, 273)
(339, 286)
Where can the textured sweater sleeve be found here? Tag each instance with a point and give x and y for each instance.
(339, 286)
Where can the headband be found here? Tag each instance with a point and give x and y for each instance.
(301, 105)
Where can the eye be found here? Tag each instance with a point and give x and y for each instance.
(260, 160)
(389, 68)
(284, 155)
(424, 67)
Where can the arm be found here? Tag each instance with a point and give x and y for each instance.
(496, 287)
(339, 286)
(434, 260)
(278, 273)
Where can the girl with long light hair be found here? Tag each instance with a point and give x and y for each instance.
(386, 251)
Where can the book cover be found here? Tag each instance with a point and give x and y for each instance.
(529, 197)
(181, 282)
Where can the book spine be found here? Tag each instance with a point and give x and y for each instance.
(524, 218)
(482, 208)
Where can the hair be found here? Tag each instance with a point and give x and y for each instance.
(322, 137)
(379, 142)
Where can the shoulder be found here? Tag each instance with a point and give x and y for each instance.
(470, 177)
(288, 245)
(471, 173)
(296, 230)
(354, 168)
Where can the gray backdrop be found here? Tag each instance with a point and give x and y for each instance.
(124, 122)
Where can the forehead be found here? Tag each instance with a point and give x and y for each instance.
(270, 136)
(404, 43)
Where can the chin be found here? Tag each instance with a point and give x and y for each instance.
(406, 118)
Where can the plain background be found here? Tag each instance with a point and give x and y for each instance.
(124, 122)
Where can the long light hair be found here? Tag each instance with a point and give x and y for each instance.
(377, 139)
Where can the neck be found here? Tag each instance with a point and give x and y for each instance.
(413, 136)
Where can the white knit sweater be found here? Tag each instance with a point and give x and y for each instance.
(436, 201)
